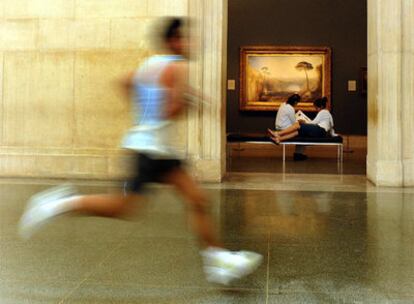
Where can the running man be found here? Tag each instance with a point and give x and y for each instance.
(158, 89)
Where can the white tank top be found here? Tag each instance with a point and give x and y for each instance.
(152, 133)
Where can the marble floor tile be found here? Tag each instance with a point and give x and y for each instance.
(117, 294)
(329, 241)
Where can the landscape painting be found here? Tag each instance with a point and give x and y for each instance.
(269, 75)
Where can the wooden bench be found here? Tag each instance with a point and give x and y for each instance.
(255, 138)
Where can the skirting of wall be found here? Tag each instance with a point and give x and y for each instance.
(385, 173)
(207, 170)
(97, 164)
(67, 166)
(408, 166)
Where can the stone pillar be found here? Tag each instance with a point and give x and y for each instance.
(390, 81)
(408, 91)
(206, 123)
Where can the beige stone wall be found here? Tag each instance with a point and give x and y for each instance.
(62, 114)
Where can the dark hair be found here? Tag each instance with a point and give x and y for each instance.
(321, 102)
(172, 29)
(293, 100)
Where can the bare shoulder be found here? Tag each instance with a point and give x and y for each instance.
(128, 77)
(174, 71)
(177, 67)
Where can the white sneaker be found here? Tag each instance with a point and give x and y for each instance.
(42, 207)
(51, 194)
(223, 266)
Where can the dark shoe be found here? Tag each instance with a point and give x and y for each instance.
(299, 156)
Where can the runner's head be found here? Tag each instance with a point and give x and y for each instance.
(173, 35)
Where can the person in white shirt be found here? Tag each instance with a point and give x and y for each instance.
(286, 114)
(321, 126)
(285, 118)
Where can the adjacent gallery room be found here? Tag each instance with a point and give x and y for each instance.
(280, 49)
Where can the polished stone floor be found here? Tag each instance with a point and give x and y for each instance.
(325, 239)
(354, 163)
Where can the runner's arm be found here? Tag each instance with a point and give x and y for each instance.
(174, 79)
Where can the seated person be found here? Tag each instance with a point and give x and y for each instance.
(285, 118)
(286, 114)
(321, 126)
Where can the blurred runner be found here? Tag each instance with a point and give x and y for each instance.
(159, 89)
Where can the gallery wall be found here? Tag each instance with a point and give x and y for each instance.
(63, 114)
(341, 25)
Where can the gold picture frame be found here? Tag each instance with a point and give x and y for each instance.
(270, 74)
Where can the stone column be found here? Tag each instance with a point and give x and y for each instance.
(390, 81)
(206, 123)
(408, 91)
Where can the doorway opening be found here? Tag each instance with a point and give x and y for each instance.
(282, 24)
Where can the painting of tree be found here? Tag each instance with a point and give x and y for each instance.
(305, 66)
(269, 75)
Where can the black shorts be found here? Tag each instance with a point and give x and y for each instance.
(311, 130)
(149, 170)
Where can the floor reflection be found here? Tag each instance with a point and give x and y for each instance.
(319, 247)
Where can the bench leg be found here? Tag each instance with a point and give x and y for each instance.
(228, 155)
(284, 160)
(340, 158)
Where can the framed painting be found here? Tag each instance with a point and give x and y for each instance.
(270, 74)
